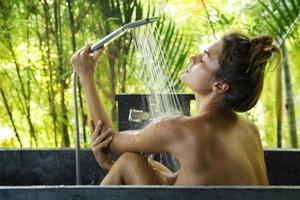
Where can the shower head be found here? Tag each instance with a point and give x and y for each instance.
(109, 38)
(140, 22)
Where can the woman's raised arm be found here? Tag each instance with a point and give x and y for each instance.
(84, 65)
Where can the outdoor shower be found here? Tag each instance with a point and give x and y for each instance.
(117, 33)
(49, 173)
(100, 44)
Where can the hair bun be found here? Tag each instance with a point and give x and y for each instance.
(264, 40)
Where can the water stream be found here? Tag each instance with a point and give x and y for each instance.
(162, 99)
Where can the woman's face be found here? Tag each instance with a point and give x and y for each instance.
(199, 75)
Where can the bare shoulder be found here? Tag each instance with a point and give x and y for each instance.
(170, 119)
(174, 127)
(182, 128)
(254, 132)
(170, 122)
(251, 126)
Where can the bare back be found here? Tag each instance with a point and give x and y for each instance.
(220, 150)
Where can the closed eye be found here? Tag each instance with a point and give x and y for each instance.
(201, 59)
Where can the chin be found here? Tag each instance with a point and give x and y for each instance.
(184, 81)
(182, 78)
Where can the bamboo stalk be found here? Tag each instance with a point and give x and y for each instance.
(278, 104)
(10, 117)
(290, 106)
(59, 46)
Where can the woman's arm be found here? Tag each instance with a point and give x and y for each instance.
(84, 64)
(163, 136)
(95, 105)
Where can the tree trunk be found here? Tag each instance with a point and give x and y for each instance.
(278, 103)
(11, 117)
(28, 99)
(50, 90)
(59, 45)
(83, 114)
(23, 92)
(124, 67)
(290, 107)
(113, 88)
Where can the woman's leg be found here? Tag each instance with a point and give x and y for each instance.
(133, 169)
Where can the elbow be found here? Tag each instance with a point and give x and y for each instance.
(117, 145)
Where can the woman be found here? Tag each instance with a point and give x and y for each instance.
(217, 147)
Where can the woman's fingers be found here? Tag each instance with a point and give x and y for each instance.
(83, 59)
(101, 137)
(97, 54)
(102, 144)
(77, 53)
(92, 126)
(97, 130)
(75, 56)
(84, 54)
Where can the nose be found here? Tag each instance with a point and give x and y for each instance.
(193, 59)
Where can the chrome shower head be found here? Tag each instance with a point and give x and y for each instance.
(140, 22)
(109, 38)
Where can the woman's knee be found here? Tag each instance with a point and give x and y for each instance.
(132, 162)
(124, 169)
(129, 157)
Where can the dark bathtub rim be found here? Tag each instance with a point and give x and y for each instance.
(150, 192)
(73, 148)
(202, 187)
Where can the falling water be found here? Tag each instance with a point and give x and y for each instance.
(163, 102)
(162, 99)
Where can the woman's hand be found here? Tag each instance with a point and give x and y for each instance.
(100, 141)
(84, 63)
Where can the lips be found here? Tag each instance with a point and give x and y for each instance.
(189, 67)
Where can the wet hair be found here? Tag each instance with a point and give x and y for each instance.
(242, 66)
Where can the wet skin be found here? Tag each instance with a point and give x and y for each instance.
(217, 147)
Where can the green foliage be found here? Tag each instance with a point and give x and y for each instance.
(281, 17)
(42, 68)
(30, 61)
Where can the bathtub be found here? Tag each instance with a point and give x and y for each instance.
(50, 174)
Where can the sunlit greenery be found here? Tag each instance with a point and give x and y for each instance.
(33, 32)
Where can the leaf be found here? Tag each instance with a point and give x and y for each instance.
(286, 22)
(272, 15)
(288, 10)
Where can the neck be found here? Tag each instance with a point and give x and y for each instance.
(208, 103)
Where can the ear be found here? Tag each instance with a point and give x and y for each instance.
(220, 87)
